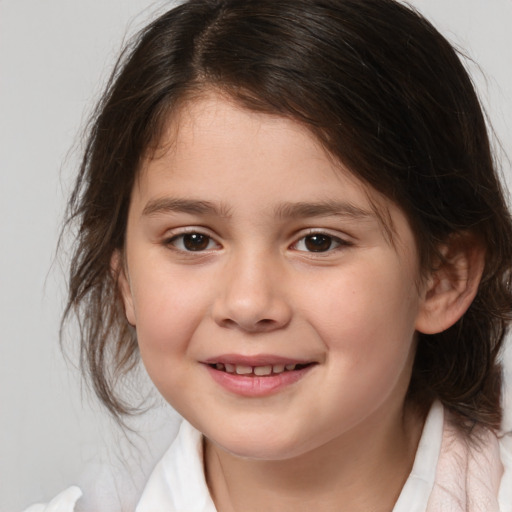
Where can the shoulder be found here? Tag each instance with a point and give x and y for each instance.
(63, 502)
(114, 479)
(176, 483)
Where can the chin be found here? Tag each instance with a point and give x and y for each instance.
(259, 444)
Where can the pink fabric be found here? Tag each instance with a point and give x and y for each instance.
(468, 473)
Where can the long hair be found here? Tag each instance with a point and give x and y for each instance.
(384, 93)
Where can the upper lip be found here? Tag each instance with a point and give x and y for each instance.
(257, 360)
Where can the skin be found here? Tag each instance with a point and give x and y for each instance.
(339, 434)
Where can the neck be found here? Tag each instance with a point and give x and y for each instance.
(362, 475)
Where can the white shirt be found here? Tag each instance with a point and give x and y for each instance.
(449, 475)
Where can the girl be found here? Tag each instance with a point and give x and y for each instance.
(289, 210)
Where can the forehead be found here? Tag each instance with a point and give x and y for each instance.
(212, 132)
(210, 146)
(215, 122)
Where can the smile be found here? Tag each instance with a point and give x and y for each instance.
(257, 371)
(258, 376)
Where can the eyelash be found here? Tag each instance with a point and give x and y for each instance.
(181, 238)
(178, 242)
(322, 237)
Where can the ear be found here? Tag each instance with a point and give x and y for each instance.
(120, 275)
(452, 286)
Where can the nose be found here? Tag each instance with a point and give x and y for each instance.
(252, 295)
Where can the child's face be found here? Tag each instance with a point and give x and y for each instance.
(247, 247)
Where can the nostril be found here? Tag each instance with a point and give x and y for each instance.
(265, 324)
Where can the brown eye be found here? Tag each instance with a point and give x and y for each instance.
(192, 242)
(318, 243)
(195, 241)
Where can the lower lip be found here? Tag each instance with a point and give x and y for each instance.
(254, 386)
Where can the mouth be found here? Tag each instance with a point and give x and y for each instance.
(257, 376)
(267, 370)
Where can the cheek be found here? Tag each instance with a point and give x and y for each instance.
(367, 315)
(167, 318)
(366, 322)
(168, 306)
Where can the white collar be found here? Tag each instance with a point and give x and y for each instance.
(177, 483)
(418, 487)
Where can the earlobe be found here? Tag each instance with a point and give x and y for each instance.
(119, 273)
(451, 288)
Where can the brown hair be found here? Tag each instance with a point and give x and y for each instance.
(381, 89)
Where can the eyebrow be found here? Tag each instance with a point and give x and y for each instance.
(323, 209)
(182, 205)
(288, 210)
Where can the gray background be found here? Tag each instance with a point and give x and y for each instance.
(54, 57)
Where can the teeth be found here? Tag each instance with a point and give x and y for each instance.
(243, 370)
(263, 370)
